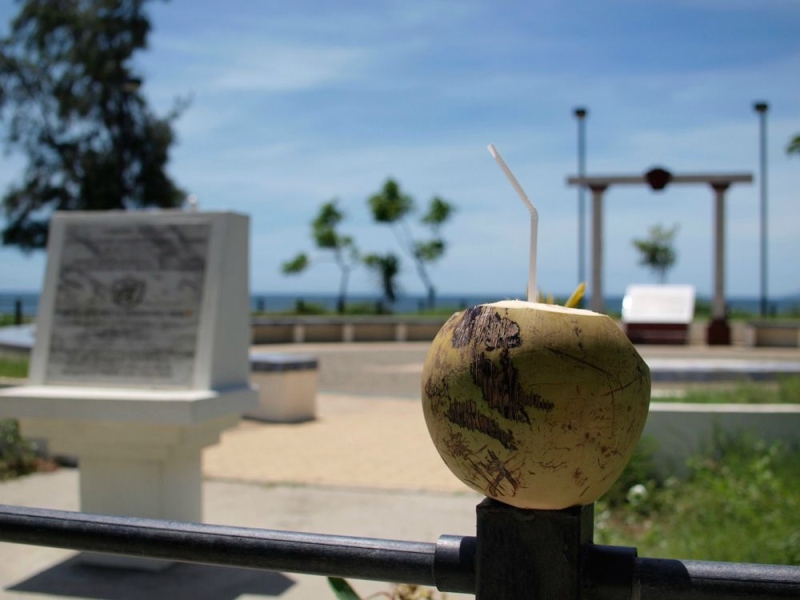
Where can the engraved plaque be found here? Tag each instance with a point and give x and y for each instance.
(127, 304)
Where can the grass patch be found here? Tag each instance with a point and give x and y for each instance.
(16, 368)
(739, 503)
(8, 320)
(787, 391)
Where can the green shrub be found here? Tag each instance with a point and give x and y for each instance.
(739, 503)
(640, 470)
(309, 308)
(789, 390)
(364, 308)
(17, 455)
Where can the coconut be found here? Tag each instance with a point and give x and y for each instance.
(535, 405)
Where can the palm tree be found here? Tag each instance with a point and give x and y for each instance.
(387, 268)
(657, 251)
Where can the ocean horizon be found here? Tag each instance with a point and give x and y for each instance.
(260, 301)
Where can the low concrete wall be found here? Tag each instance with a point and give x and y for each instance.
(276, 333)
(697, 333)
(681, 430)
(287, 330)
(284, 330)
(318, 332)
(775, 334)
(772, 334)
(375, 332)
(422, 332)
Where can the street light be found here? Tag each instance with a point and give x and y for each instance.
(580, 113)
(127, 87)
(761, 108)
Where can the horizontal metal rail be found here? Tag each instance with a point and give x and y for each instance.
(449, 564)
(446, 564)
(616, 573)
(664, 579)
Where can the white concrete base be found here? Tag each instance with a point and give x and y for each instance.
(169, 488)
(682, 429)
(285, 396)
(155, 406)
(138, 451)
(134, 469)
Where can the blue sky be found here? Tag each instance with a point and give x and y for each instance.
(296, 103)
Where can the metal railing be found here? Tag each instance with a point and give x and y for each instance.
(515, 554)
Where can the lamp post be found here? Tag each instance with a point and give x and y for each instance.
(761, 108)
(580, 113)
(127, 87)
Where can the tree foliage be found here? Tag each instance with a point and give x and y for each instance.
(392, 207)
(297, 265)
(70, 101)
(794, 145)
(657, 250)
(326, 236)
(387, 267)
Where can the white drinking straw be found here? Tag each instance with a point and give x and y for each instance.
(534, 220)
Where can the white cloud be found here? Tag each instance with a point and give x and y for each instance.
(282, 68)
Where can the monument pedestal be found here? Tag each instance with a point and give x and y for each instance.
(139, 453)
(139, 470)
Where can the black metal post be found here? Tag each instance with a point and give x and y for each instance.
(580, 114)
(18, 312)
(761, 108)
(530, 553)
(122, 146)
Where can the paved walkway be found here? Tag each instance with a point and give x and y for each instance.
(365, 467)
(370, 432)
(366, 442)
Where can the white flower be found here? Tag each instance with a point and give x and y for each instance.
(637, 494)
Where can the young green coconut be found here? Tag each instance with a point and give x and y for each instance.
(536, 405)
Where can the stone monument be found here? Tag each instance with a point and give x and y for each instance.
(141, 356)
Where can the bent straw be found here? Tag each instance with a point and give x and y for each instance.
(534, 220)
